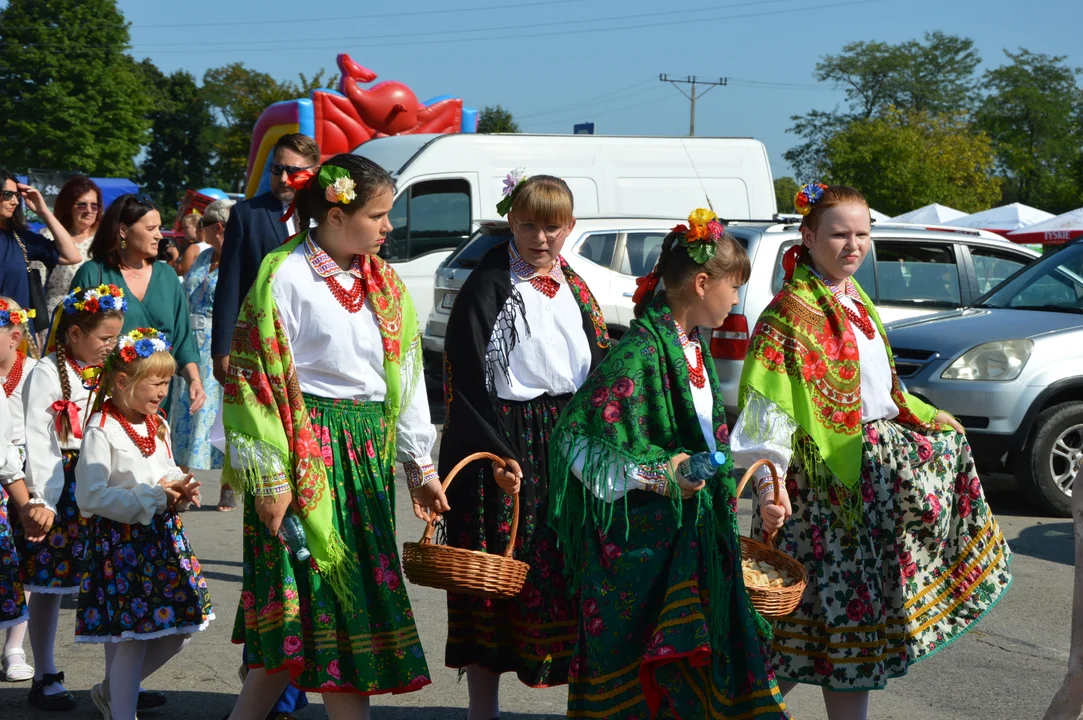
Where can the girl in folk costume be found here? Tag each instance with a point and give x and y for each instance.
(524, 334)
(142, 589)
(15, 367)
(56, 400)
(665, 626)
(324, 393)
(888, 514)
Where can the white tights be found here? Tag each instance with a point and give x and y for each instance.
(16, 634)
(483, 687)
(851, 705)
(44, 617)
(134, 660)
(262, 689)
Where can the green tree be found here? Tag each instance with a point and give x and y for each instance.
(179, 154)
(785, 190)
(935, 75)
(236, 96)
(495, 119)
(903, 160)
(72, 98)
(1034, 115)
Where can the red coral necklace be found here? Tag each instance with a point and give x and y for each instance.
(353, 299)
(146, 444)
(15, 375)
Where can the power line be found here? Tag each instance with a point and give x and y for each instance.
(306, 45)
(692, 81)
(605, 97)
(649, 101)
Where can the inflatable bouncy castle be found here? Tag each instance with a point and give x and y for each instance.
(343, 119)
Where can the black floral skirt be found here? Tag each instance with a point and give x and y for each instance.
(12, 599)
(51, 565)
(532, 635)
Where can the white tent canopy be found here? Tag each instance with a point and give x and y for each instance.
(1003, 219)
(935, 214)
(1059, 229)
(878, 216)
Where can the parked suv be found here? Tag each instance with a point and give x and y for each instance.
(910, 271)
(608, 252)
(1011, 370)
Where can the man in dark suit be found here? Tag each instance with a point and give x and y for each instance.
(255, 229)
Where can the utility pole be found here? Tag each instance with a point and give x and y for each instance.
(692, 80)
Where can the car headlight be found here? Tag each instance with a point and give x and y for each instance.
(1001, 360)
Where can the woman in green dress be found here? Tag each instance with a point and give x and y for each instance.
(665, 625)
(123, 254)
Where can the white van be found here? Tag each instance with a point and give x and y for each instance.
(447, 185)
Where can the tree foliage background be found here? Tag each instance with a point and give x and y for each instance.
(495, 119)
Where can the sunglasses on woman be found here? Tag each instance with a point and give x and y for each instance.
(8, 195)
(87, 207)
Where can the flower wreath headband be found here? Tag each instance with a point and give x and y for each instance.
(16, 317)
(137, 344)
(104, 298)
(809, 194)
(338, 185)
(698, 239)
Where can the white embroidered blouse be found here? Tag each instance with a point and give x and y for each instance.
(11, 461)
(18, 408)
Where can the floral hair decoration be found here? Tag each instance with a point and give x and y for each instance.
(104, 298)
(140, 343)
(699, 236)
(12, 316)
(807, 196)
(338, 185)
(511, 183)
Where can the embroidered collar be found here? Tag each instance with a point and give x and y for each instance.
(322, 263)
(527, 272)
(686, 339)
(846, 289)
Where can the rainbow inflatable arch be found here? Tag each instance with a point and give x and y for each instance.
(342, 119)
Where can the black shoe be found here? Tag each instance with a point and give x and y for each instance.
(59, 702)
(149, 699)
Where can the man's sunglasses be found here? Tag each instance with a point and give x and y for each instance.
(277, 169)
(203, 224)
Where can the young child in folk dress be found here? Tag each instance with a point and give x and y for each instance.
(56, 397)
(524, 334)
(15, 367)
(665, 627)
(324, 392)
(142, 587)
(883, 504)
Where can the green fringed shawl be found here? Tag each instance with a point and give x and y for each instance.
(270, 440)
(804, 358)
(637, 408)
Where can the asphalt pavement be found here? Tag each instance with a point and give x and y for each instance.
(1006, 669)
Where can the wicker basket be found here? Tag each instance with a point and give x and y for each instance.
(772, 602)
(470, 572)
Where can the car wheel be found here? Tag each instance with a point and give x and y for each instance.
(1054, 458)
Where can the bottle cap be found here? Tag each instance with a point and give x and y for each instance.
(718, 459)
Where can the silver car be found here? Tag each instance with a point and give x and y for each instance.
(1011, 370)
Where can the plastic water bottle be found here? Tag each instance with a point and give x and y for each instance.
(701, 466)
(292, 533)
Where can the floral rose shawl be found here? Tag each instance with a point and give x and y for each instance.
(271, 446)
(804, 359)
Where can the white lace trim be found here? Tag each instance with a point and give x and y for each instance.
(128, 635)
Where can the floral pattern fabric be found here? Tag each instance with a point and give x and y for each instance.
(291, 619)
(925, 563)
(191, 433)
(532, 634)
(52, 565)
(140, 582)
(12, 600)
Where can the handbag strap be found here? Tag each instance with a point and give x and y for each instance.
(26, 258)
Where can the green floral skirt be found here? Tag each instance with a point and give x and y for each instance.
(925, 563)
(290, 620)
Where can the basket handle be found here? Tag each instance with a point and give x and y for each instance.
(774, 477)
(430, 526)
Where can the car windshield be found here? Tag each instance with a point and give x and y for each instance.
(470, 252)
(1053, 283)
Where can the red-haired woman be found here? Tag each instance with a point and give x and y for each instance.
(79, 209)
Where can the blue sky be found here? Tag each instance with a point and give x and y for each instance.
(551, 67)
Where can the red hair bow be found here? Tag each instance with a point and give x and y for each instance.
(644, 285)
(298, 181)
(790, 260)
(69, 407)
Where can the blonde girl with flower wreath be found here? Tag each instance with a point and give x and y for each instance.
(324, 393)
(142, 588)
(882, 501)
(56, 398)
(15, 367)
